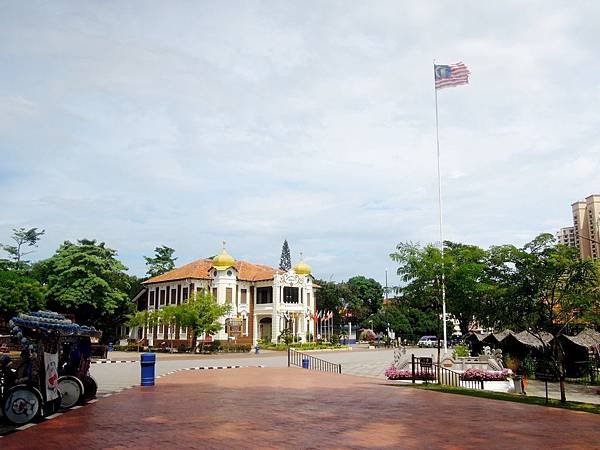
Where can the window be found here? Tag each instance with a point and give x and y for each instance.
(185, 294)
(308, 299)
(163, 293)
(228, 295)
(264, 295)
(214, 293)
(243, 295)
(229, 273)
(290, 294)
(152, 298)
(173, 296)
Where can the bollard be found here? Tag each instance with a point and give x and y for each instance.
(110, 346)
(256, 349)
(147, 363)
(305, 363)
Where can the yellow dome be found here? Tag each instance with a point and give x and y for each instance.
(223, 260)
(302, 268)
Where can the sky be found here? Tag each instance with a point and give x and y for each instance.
(148, 123)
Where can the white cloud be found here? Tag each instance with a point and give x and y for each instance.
(144, 124)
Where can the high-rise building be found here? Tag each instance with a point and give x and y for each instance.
(566, 236)
(586, 226)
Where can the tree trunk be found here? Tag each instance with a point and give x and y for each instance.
(563, 397)
(194, 340)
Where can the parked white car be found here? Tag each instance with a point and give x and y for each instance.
(428, 341)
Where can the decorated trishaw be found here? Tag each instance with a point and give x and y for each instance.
(34, 384)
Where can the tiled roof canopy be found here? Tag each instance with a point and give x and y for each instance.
(200, 270)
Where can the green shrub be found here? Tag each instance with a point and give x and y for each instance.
(460, 351)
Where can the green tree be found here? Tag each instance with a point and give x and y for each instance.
(170, 316)
(466, 278)
(23, 238)
(394, 316)
(545, 288)
(332, 297)
(86, 279)
(285, 262)
(366, 296)
(162, 262)
(467, 283)
(18, 294)
(201, 315)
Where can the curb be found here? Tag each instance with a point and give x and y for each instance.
(111, 361)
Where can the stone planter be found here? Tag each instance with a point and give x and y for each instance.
(496, 386)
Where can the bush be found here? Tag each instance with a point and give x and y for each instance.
(460, 351)
(394, 374)
(183, 348)
(126, 348)
(368, 335)
(486, 375)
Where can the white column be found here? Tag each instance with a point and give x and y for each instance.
(254, 329)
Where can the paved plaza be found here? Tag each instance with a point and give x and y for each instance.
(295, 408)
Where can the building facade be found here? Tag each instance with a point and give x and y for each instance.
(264, 301)
(586, 223)
(566, 236)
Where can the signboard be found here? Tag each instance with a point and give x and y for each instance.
(51, 366)
(545, 376)
(235, 326)
(426, 362)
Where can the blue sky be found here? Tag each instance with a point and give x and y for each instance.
(187, 123)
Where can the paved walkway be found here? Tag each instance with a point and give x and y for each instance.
(294, 408)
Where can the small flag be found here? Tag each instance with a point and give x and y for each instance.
(450, 75)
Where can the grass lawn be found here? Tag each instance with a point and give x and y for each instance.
(576, 406)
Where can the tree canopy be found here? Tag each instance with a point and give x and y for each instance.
(162, 261)
(285, 262)
(201, 314)
(19, 293)
(86, 279)
(23, 238)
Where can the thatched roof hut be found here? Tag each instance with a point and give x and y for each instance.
(495, 339)
(475, 341)
(525, 343)
(580, 349)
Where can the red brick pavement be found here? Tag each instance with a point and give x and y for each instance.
(295, 408)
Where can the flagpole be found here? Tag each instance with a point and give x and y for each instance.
(437, 141)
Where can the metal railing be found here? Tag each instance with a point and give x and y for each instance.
(449, 377)
(305, 361)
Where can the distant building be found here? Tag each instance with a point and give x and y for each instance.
(566, 236)
(586, 223)
(264, 301)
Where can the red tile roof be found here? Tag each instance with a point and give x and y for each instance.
(200, 270)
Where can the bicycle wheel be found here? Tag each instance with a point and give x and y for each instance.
(21, 404)
(90, 387)
(71, 390)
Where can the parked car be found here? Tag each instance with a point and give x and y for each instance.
(428, 341)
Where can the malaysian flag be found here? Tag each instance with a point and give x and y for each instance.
(450, 75)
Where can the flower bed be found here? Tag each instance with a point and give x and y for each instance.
(486, 375)
(394, 374)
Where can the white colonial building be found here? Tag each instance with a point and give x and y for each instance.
(264, 301)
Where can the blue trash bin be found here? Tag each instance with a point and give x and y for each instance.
(256, 349)
(110, 346)
(147, 364)
(305, 363)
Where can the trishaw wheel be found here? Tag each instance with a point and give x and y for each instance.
(90, 387)
(21, 404)
(71, 390)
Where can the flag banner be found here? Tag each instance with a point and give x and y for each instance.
(450, 75)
